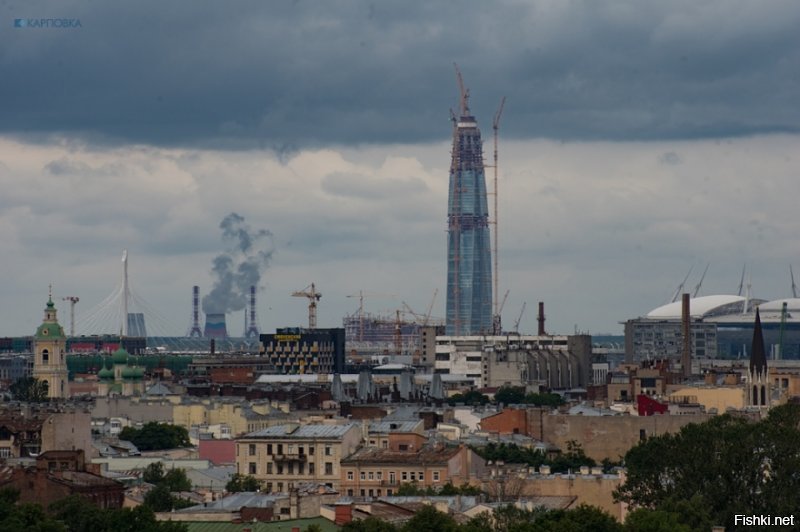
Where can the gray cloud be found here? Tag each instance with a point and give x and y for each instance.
(287, 75)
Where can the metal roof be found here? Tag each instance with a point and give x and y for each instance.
(293, 431)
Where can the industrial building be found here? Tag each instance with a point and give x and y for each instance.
(549, 362)
(293, 350)
(469, 268)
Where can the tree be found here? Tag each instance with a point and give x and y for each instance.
(471, 398)
(159, 499)
(153, 473)
(735, 466)
(156, 436)
(370, 524)
(240, 482)
(432, 520)
(176, 480)
(510, 395)
(29, 390)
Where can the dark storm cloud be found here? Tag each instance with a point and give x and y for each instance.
(285, 75)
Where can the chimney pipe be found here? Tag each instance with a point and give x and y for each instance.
(686, 323)
(540, 319)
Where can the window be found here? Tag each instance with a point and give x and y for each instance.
(280, 486)
(436, 476)
(301, 468)
(363, 476)
(269, 449)
(251, 468)
(371, 475)
(251, 449)
(310, 469)
(392, 478)
(389, 493)
(404, 476)
(403, 447)
(413, 476)
(45, 356)
(421, 476)
(280, 448)
(349, 475)
(371, 493)
(385, 444)
(327, 450)
(379, 475)
(291, 468)
(280, 469)
(363, 493)
(349, 493)
(311, 450)
(269, 487)
(329, 468)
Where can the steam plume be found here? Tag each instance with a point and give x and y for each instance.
(247, 255)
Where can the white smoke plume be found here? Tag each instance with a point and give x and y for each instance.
(247, 255)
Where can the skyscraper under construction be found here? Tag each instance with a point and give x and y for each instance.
(469, 269)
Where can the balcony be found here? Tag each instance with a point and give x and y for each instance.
(293, 457)
(389, 483)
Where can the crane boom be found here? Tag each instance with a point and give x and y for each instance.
(310, 292)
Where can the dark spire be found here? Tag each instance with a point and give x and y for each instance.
(758, 359)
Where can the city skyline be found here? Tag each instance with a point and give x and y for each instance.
(634, 144)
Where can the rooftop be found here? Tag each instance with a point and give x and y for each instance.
(293, 431)
(425, 456)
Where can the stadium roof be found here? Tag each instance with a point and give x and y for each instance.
(699, 307)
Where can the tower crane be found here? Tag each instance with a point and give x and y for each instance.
(72, 300)
(361, 295)
(313, 296)
(519, 318)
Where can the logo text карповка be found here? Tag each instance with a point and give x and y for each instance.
(47, 23)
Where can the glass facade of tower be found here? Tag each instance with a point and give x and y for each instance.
(469, 268)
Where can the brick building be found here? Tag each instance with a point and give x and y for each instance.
(59, 474)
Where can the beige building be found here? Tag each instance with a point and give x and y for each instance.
(29, 430)
(378, 472)
(49, 354)
(283, 456)
(714, 399)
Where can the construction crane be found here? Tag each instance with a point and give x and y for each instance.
(519, 318)
(430, 308)
(495, 127)
(313, 296)
(361, 295)
(72, 300)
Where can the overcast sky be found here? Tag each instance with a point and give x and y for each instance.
(639, 139)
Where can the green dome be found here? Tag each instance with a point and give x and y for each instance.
(120, 356)
(128, 373)
(139, 373)
(49, 330)
(105, 374)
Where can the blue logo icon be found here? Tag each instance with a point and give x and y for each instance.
(20, 22)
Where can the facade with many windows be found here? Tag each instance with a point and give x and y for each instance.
(283, 456)
(378, 472)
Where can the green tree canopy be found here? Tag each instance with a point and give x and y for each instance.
(240, 482)
(29, 390)
(735, 466)
(156, 436)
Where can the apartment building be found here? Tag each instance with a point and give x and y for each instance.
(283, 456)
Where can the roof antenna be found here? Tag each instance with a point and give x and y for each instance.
(741, 281)
(794, 286)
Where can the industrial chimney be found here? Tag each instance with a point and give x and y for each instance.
(540, 319)
(251, 330)
(686, 323)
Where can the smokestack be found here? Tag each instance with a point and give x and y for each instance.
(540, 319)
(194, 328)
(686, 322)
(215, 326)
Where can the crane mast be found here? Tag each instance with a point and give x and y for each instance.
(310, 292)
